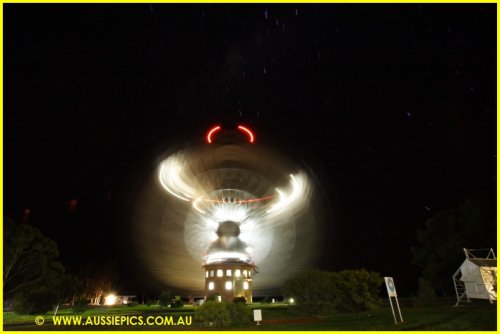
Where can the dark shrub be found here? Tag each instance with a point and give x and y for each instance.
(357, 290)
(81, 305)
(426, 293)
(319, 292)
(177, 302)
(165, 298)
(240, 299)
(213, 313)
(239, 312)
(38, 301)
(214, 297)
(314, 292)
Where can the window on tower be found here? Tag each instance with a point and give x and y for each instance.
(237, 273)
(206, 274)
(211, 285)
(229, 285)
(211, 273)
(244, 273)
(245, 285)
(219, 272)
(229, 272)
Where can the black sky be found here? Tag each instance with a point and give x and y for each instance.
(393, 105)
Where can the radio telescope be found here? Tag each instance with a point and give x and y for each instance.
(232, 202)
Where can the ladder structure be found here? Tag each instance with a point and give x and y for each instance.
(460, 289)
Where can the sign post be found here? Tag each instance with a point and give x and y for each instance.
(257, 316)
(391, 292)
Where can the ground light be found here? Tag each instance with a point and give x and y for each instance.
(110, 299)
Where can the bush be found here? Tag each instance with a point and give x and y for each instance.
(240, 299)
(239, 312)
(81, 305)
(177, 302)
(213, 313)
(426, 293)
(319, 292)
(266, 300)
(314, 292)
(165, 298)
(214, 298)
(133, 303)
(357, 290)
(38, 301)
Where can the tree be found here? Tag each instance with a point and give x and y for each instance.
(94, 280)
(30, 269)
(97, 285)
(440, 243)
(426, 293)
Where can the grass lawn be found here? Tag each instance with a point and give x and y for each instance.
(436, 318)
(442, 317)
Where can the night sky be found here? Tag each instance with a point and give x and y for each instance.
(393, 106)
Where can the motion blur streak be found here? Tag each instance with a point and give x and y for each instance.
(277, 207)
(285, 201)
(250, 133)
(211, 132)
(172, 178)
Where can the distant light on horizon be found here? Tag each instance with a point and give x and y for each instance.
(110, 299)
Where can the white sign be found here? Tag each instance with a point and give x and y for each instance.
(391, 291)
(391, 288)
(257, 316)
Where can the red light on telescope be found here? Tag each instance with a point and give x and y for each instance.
(248, 132)
(211, 132)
